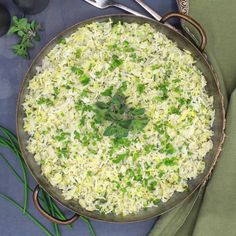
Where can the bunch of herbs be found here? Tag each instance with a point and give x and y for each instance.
(122, 118)
(27, 32)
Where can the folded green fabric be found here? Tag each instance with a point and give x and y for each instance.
(212, 210)
(218, 19)
(212, 213)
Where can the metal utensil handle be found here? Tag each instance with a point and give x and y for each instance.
(125, 8)
(190, 20)
(46, 215)
(148, 9)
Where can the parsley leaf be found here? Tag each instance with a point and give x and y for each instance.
(107, 92)
(84, 79)
(170, 161)
(77, 70)
(120, 158)
(78, 53)
(116, 62)
(141, 88)
(46, 101)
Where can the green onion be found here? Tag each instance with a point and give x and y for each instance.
(31, 217)
(50, 209)
(58, 212)
(16, 150)
(90, 227)
(9, 141)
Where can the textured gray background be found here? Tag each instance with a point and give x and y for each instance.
(56, 17)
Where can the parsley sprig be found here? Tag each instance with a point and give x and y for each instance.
(27, 32)
(122, 118)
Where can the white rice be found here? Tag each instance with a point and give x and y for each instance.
(74, 154)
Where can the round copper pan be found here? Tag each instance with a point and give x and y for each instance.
(210, 159)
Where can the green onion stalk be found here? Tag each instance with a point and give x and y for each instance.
(8, 140)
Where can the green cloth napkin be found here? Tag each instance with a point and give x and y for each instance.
(211, 211)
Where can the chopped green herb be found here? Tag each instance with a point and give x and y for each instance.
(161, 173)
(123, 190)
(126, 43)
(78, 105)
(119, 158)
(155, 67)
(63, 152)
(107, 92)
(62, 40)
(136, 156)
(168, 148)
(78, 53)
(77, 135)
(174, 110)
(120, 176)
(184, 101)
(121, 142)
(145, 182)
(128, 49)
(77, 70)
(113, 47)
(178, 89)
(152, 185)
(149, 147)
(82, 121)
(141, 88)
(138, 177)
(61, 135)
(84, 79)
(164, 89)
(116, 183)
(156, 201)
(116, 62)
(56, 92)
(133, 56)
(98, 73)
(85, 141)
(123, 86)
(170, 161)
(160, 128)
(130, 173)
(45, 101)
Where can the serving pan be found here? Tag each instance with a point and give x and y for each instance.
(212, 88)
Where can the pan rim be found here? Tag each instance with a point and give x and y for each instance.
(68, 31)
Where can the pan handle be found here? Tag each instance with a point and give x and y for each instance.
(46, 215)
(192, 22)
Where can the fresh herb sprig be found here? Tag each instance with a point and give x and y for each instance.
(122, 117)
(27, 32)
